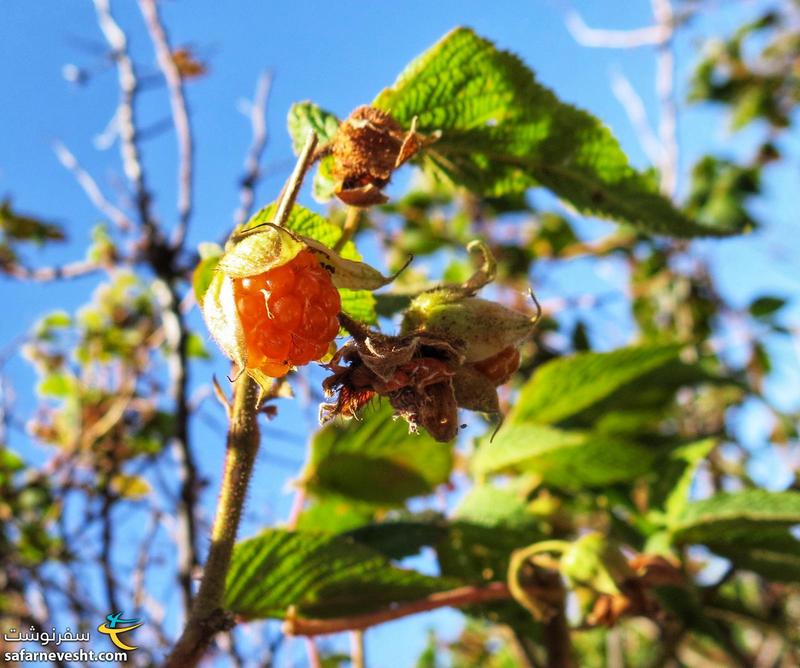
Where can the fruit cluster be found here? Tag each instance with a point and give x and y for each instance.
(288, 314)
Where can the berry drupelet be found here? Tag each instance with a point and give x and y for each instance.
(288, 314)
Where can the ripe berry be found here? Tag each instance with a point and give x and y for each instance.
(288, 314)
(500, 367)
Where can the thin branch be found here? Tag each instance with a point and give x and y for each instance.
(125, 115)
(634, 107)
(455, 598)
(292, 187)
(45, 274)
(180, 115)
(176, 336)
(665, 87)
(252, 169)
(90, 187)
(614, 39)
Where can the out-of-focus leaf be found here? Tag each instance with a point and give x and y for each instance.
(673, 478)
(502, 132)
(322, 575)
(376, 461)
(196, 347)
(565, 386)
(130, 486)
(727, 518)
(56, 385)
(764, 307)
(210, 255)
(569, 459)
(18, 227)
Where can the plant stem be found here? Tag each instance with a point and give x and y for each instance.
(351, 224)
(454, 598)
(207, 616)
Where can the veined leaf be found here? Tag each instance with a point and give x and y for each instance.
(322, 575)
(567, 459)
(358, 304)
(732, 518)
(674, 478)
(303, 118)
(503, 132)
(568, 385)
(376, 461)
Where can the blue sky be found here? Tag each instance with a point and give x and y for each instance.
(339, 55)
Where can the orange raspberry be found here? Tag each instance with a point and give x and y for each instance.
(288, 314)
(500, 367)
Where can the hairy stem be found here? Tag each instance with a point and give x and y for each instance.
(207, 616)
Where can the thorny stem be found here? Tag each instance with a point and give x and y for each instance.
(207, 616)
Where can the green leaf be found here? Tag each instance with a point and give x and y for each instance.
(502, 132)
(674, 477)
(358, 304)
(322, 575)
(565, 386)
(335, 514)
(307, 116)
(210, 255)
(764, 307)
(18, 227)
(56, 385)
(376, 461)
(196, 347)
(774, 555)
(732, 518)
(570, 459)
(130, 486)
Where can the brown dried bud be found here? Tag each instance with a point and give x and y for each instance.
(367, 148)
(414, 372)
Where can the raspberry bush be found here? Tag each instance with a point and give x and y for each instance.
(576, 475)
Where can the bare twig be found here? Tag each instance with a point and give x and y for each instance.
(44, 274)
(665, 87)
(180, 116)
(292, 187)
(176, 337)
(125, 115)
(252, 169)
(634, 107)
(614, 39)
(90, 187)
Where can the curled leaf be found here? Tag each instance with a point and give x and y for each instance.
(259, 249)
(347, 273)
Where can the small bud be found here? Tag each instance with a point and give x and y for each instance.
(592, 561)
(485, 327)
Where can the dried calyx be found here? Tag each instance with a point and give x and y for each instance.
(366, 150)
(453, 352)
